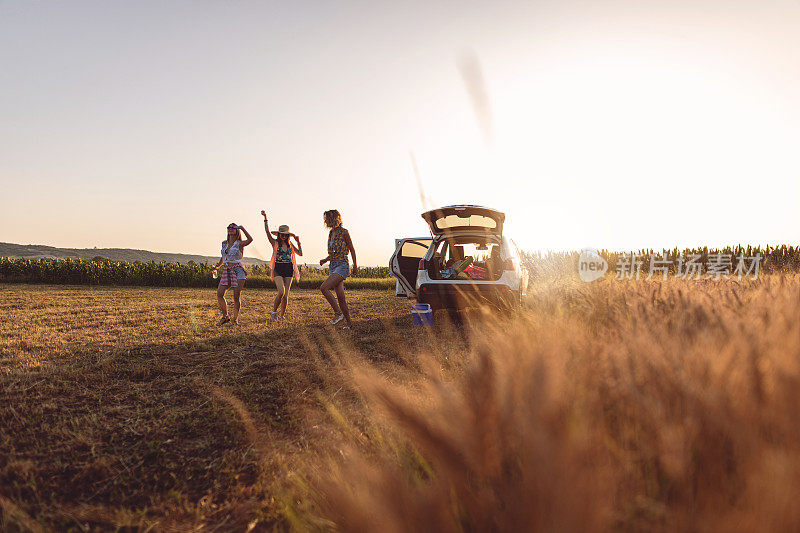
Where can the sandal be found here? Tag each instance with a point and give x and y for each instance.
(223, 320)
(335, 320)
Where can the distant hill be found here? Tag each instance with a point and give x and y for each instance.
(127, 255)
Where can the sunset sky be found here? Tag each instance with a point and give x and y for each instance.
(610, 124)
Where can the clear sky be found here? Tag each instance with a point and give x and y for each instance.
(612, 124)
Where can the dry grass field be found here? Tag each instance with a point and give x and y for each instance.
(634, 406)
(110, 397)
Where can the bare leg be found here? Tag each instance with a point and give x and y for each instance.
(287, 284)
(237, 291)
(223, 307)
(326, 289)
(342, 302)
(278, 297)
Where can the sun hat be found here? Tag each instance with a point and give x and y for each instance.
(283, 228)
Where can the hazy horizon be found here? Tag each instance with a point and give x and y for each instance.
(620, 125)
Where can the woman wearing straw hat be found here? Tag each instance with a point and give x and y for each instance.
(283, 265)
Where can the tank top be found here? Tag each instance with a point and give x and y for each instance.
(233, 254)
(284, 256)
(337, 245)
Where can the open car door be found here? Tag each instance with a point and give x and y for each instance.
(404, 264)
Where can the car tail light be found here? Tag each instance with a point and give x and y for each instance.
(511, 264)
(422, 264)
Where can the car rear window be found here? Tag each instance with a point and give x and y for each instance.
(455, 221)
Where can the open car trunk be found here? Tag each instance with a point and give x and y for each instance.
(455, 219)
(467, 257)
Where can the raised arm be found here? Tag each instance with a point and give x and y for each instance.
(299, 248)
(352, 252)
(249, 238)
(266, 228)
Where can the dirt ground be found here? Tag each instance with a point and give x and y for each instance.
(116, 403)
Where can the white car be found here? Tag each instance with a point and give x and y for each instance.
(424, 269)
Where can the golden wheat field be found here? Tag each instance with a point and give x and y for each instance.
(612, 406)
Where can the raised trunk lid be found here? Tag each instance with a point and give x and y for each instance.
(463, 218)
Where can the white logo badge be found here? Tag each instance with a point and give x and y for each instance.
(590, 265)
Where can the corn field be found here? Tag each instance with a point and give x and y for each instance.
(540, 265)
(774, 259)
(151, 274)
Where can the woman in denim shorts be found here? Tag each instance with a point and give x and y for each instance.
(339, 246)
(233, 274)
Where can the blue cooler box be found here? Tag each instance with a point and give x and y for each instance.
(422, 315)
